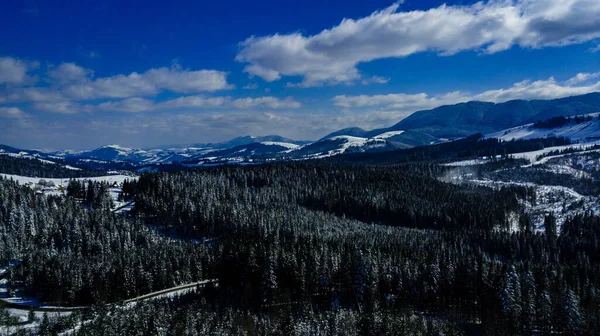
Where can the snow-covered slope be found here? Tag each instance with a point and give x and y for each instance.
(341, 144)
(387, 135)
(576, 131)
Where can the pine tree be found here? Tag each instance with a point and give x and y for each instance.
(511, 297)
(573, 319)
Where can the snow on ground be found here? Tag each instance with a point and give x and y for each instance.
(23, 324)
(122, 206)
(471, 162)
(349, 142)
(532, 156)
(72, 168)
(26, 180)
(15, 298)
(574, 131)
(546, 159)
(282, 144)
(387, 134)
(560, 201)
(26, 155)
(566, 170)
(60, 184)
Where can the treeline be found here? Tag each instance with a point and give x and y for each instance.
(561, 121)
(36, 168)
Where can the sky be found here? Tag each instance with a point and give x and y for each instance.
(80, 74)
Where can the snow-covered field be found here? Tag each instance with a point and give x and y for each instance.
(59, 185)
(387, 134)
(26, 180)
(470, 162)
(282, 144)
(118, 179)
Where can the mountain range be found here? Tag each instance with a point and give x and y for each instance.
(441, 124)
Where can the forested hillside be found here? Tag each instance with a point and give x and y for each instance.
(313, 249)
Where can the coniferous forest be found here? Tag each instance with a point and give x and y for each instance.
(301, 249)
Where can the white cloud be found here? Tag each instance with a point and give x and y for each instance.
(541, 89)
(33, 94)
(582, 77)
(331, 57)
(266, 102)
(194, 101)
(70, 72)
(15, 71)
(149, 83)
(375, 80)
(595, 49)
(127, 105)
(71, 82)
(12, 113)
(62, 107)
(375, 100)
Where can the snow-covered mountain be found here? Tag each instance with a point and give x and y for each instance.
(241, 149)
(340, 144)
(464, 119)
(28, 154)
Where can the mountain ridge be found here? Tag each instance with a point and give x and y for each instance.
(462, 119)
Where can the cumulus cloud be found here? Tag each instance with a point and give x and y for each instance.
(149, 83)
(12, 113)
(15, 71)
(69, 72)
(71, 82)
(68, 84)
(527, 89)
(332, 56)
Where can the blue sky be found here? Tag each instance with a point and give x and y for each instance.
(141, 74)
